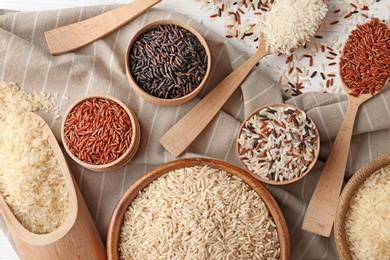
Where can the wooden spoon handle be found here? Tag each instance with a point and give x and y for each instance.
(74, 36)
(181, 135)
(321, 210)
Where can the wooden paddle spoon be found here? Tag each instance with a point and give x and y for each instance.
(76, 238)
(74, 36)
(181, 135)
(184, 132)
(322, 208)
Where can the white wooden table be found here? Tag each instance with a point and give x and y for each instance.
(334, 36)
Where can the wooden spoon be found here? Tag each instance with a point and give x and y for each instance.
(322, 208)
(74, 36)
(184, 132)
(181, 135)
(76, 238)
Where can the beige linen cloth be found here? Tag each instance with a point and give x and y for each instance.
(99, 69)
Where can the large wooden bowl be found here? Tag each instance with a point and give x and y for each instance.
(124, 202)
(348, 192)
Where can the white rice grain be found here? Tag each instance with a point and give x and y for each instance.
(31, 180)
(291, 23)
(367, 223)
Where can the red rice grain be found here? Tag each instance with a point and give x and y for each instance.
(98, 131)
(365, 63)
(348, 15)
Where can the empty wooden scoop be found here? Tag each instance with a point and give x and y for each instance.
(76, 238)
(322, 208)
(74, 36)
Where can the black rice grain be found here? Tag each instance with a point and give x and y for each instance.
(168, 61)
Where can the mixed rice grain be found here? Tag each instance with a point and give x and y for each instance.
(278, 143)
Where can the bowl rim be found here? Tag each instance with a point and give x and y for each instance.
(116, 220)
(162, 101)
(348, 192)
(284, 182)
(126, 156)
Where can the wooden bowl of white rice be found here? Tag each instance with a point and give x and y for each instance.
(197, 208)
(362, 224)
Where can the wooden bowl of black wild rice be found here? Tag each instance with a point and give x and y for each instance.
(167, 62)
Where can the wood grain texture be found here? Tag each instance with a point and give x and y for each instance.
(76, 238)
(74, 36)
(124, 202)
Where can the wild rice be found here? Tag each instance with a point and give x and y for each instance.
(278, 143)
(198, 212)
(168, 61)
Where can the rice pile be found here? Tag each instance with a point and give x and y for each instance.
(291, 23)
(278, 143)
(198, 213)
(15, 100)
(367, 223)
(31, 180)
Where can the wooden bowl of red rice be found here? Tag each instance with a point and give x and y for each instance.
(100, 133)
(197, 208)
(362, 221)
(278, 144)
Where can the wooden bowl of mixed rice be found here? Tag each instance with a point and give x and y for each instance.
(197, 208)
(362, 223)
(278, 144)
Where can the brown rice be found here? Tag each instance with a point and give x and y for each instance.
(198, 212)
